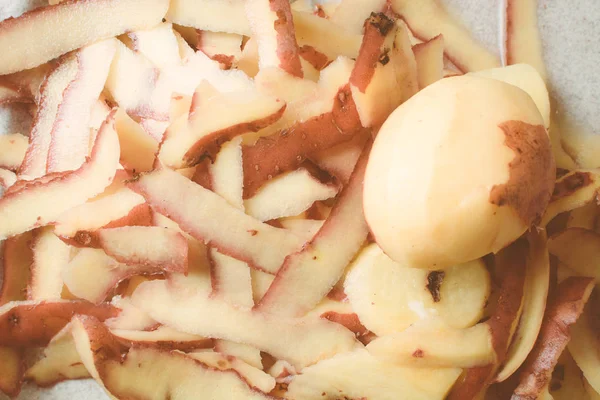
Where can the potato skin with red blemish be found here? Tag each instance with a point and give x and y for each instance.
(460, 170)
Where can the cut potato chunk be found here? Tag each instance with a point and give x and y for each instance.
(457, 295)
(358, 374)
(204, 215)
(188, 308)
(35, 323)
(48, 32)
(38, 203)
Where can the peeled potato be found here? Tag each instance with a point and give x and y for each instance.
(388, 297)
(460, 170)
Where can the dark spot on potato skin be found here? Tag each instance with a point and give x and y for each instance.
(418, 353)
(381, 22)
(558, 377)
(434, 282)
(532, 172)
(570, 184)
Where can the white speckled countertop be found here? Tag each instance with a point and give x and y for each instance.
(570, 30)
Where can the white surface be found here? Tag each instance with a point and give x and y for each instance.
(570, 30)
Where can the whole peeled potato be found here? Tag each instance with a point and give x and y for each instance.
(460, 170)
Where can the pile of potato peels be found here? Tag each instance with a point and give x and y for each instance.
(185, 218)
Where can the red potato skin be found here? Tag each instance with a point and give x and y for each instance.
(12, 370)
(377, 27)
(21, 185)
(513, 264)
(209, 145)
(202, 175)
(35, 325)
(18, 95)
(287, 149)
(16, 257)
(571, 297)
(314, 57)
(287, 47)
(510, 29)
(223, 59)
(353, 324)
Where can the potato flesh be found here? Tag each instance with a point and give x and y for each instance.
(326, 38)
(389, 297)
